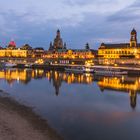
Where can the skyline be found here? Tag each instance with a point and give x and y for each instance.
(79, 21)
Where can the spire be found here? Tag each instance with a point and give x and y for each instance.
(133, 32)
(50, 44)
(51, 47)
(87, 46)
(65, 45)
(58, 33)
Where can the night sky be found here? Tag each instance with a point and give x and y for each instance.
(80, 21)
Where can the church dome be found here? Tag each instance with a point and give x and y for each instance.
(58, 31)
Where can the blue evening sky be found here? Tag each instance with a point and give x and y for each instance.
(80, 21)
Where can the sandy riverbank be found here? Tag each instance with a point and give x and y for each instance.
(18, 122)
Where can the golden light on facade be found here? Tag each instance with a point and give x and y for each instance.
(39, 61)
(127, 51)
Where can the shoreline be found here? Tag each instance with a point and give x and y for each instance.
(129, 68)
(19, 122)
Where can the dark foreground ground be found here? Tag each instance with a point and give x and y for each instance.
(18, 122)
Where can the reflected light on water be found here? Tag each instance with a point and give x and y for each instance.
(124, 84)
(79, 106)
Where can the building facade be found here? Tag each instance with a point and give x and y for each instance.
(58, 50)
(12, 51)
(57, 43)
(120, 51)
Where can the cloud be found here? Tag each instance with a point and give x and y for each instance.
(80, 21)
(73, 10)
(130, 13)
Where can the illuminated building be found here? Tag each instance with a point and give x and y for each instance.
(12, 45)
(38, 52)
(72, 54)
(58, 43)
(59, 50)
(12, 51)
(121, 51)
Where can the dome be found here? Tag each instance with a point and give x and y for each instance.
(102, 44)
(58, 31)
(133, 32)
(12, 43)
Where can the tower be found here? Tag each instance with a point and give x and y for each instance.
(58, 33)
(65, 46)
(58, 42)
(51, 47)
(87, 46)
(133, 39)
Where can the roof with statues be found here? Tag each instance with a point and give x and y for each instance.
(116, 46)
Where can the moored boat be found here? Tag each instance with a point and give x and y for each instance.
(9, 65)
(109, 72)
(79, 69)
(88, 69)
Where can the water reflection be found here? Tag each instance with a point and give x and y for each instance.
(126, 84)
(25, 76)
(121, 84)
(79, 106)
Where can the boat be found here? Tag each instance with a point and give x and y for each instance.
(74, 69)
(28, 65)
(88, 69)
(10, 65)
(109, 72)
(79, 69)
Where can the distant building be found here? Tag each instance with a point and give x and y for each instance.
(12, 51)
(122, 50)
(85, 53)
(123, 53)
(26, 47)
(11, 45)
(38, 52)
(58, 49)
(58, 43)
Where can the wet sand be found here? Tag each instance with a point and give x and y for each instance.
(18, 122)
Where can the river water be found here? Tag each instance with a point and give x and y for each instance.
(79, 106)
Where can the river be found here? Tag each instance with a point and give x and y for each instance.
(79, 106)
